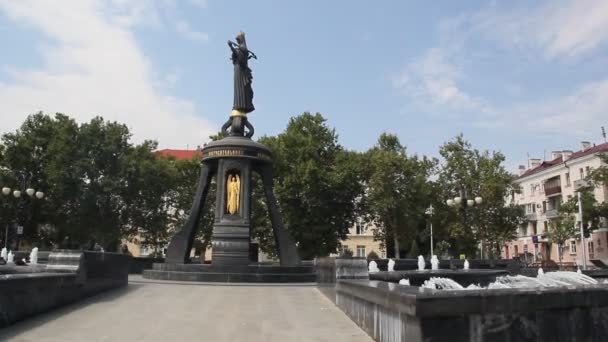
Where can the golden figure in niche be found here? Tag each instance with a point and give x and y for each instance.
(233, 193)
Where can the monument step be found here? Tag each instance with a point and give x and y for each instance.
(223, 277)
(253, 268)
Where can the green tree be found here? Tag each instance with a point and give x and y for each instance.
(600, 175)
(316, 184)
(562, 229)
(98, 185)
(593, 212)
(478, 173)
(147, 198)
(397, 193)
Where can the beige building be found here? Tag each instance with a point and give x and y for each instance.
(360, 240)
(544, 187)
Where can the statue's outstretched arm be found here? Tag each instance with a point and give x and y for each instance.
(231, 44)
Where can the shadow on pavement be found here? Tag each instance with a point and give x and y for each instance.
(10, 332)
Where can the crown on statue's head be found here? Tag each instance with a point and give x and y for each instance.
(240, 34)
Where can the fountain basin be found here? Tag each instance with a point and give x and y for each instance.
(392, 312)
(463, 277)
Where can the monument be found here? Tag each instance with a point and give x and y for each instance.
(232, 160)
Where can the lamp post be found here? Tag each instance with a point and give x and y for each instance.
(429, 211)
(463, 202)
(23, 193)
(579, 185)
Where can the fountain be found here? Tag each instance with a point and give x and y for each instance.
(421, 263)
(34, 256)
(477, 303)
(10, 259)
(4, 254)
(434, 263)
(551, 279)
(404, 282)
(391, 265)
(373, 267)
(440, 283)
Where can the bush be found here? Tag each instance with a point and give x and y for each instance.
(346, 253)
(372, 255)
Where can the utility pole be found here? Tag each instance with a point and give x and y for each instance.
(583, 244)
(429, 211)
(578, 186)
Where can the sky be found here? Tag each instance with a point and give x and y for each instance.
(520, 77)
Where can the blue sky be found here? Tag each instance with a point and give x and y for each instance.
(516, 76)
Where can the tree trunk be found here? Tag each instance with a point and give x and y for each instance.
(560, 252)
(397, 255)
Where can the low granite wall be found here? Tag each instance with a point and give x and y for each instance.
(68, 277)
(329, 270)
(139, 264)
(392, 312)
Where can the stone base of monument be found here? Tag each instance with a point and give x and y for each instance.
(253, 273)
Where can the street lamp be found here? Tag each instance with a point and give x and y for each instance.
(464, 203)
(429, 211)
(23, 180)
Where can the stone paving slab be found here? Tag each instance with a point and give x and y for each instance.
(170, 311)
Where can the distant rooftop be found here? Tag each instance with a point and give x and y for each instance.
(179, 154)
(578, 154)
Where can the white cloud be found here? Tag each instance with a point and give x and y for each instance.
(575, 113)
(556, 30)
(187, 31)
(560, 29)
(93, 66)
(199, 3)
(432, 81)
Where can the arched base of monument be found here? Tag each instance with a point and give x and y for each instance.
(253, 273)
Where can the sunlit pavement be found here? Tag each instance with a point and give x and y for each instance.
(172, 311)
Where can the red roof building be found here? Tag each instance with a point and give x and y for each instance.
(179, 154)
(560, 159)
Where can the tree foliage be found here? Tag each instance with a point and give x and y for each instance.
(99, 187)
(397, 193)
(316, 184)
(562, 229)
(478, 173)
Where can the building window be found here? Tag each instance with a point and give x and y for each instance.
(567, 178)
(580, 171)
(587, 171)
(545, 226)
(572, 247)
(344, 249)
(526, 249)
(515, 251)
(590, 244)
(532, 189)
(361, 251)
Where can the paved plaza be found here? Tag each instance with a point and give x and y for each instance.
(171, 311)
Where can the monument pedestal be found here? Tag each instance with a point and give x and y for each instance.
(253, 273)
(230, 243)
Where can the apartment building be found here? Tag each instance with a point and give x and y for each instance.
(360, 240)
(545, 185)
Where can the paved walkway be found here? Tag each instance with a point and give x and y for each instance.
(175, 312)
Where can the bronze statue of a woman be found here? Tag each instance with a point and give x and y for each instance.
(243, 93)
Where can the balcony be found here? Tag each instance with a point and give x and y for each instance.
(553, 187)
(531, 216)
(551, 213)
